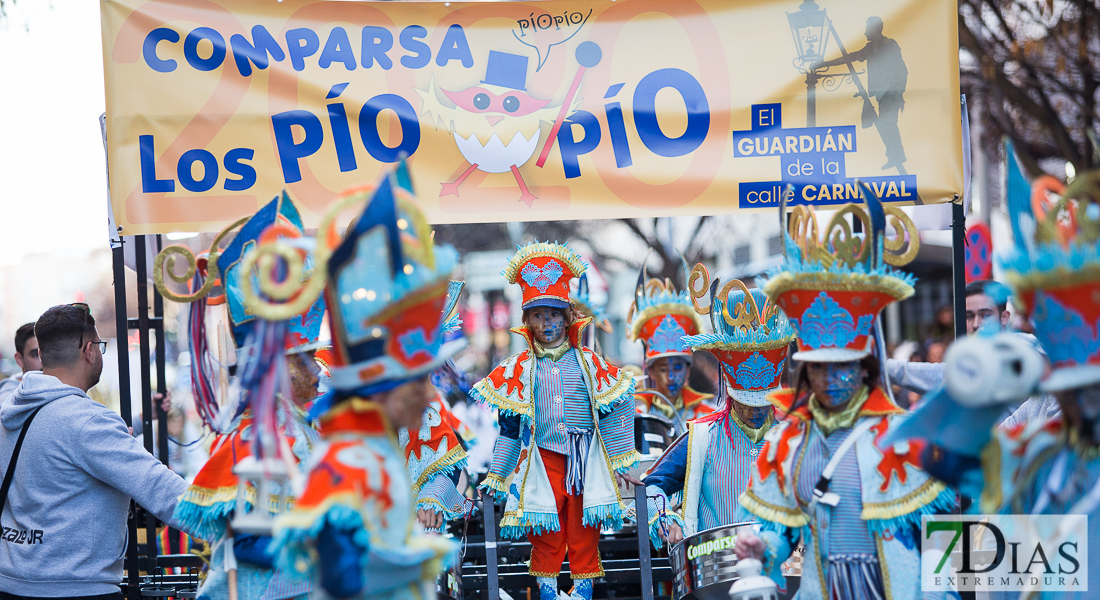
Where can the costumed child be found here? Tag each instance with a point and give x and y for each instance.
(712, 463)
(566, 426)
(436, 454)
(352, 531)
(820, 476)
(274, 388)
(661, 317)
(1048, 466)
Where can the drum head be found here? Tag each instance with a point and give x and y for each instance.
(652, 434)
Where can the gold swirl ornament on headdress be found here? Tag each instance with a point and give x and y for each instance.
(846, 246)
(1060, 217)
(286, 289)
(169, 255)
(746, 316)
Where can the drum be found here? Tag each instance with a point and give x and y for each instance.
(702, 564)
(448, 586)
(652, 434)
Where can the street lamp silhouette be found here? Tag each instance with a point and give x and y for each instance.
(810, 38)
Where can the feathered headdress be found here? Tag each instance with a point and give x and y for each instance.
(660, 317)
(833, 288)
(1054, 271)
(750, 338)
(543, 271)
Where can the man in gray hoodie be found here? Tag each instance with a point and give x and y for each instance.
(64, 521)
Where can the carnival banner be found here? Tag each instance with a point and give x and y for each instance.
(510, 111)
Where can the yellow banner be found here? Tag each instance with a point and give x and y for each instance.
(512, 111)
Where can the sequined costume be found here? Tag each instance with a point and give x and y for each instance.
(711, 465)
(566, 418)
(861, 537)
(208, 505)
(353, 530)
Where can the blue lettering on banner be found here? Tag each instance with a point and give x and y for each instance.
(812, 160)
(304, 43)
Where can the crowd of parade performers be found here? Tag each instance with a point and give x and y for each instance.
(360, 458)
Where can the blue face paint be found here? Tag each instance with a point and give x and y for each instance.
(843, 381)
(677, 375)
(547, 325)
(753, 416)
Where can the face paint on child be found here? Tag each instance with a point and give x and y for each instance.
(753, 416)
(677, 375)
(843, 380)
(547, 325)
(834, 384)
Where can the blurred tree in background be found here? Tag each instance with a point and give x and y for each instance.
(1034, 68)
(616, 244)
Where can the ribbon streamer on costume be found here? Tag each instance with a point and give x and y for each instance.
(579, 441)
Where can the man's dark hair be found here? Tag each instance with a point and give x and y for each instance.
(987, 287)
(23, 334)
(60, 335)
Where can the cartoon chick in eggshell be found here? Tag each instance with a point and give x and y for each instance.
(497, 124)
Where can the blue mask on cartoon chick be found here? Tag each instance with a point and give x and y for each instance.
(834, 384)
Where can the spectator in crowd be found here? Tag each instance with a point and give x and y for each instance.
(986, 309)
(75, 473)
(986, 302)
(26, 356)
(935, 352)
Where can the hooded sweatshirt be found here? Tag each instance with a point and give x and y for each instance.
(64, 522)
(7, 386)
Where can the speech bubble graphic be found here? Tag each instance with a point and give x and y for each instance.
(543, 31)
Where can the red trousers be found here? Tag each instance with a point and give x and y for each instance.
(548, 549)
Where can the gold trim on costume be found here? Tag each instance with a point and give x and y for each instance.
(657, 310)
(882, 567)
(905, 505)
(496, 482)
(828, 422)
(827, 281)
(450, 458)
(555, 353)
(789, 517)
(754, 435)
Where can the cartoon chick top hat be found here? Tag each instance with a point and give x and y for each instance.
(387, 285)
(660, 317)
(833, 289)
(543, 271)
(750, 339)
(1055, 275)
